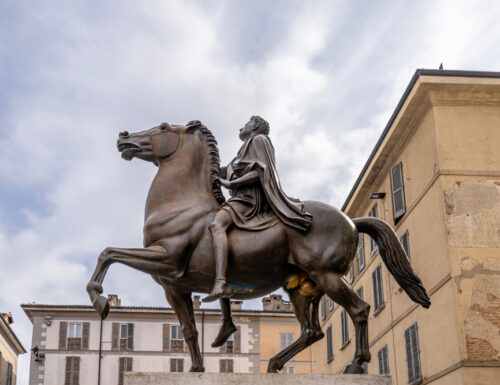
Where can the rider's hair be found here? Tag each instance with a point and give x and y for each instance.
(261, 124)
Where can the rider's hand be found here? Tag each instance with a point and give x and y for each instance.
(226, 183)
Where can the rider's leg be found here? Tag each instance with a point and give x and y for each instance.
(218, 228)
(227, 328)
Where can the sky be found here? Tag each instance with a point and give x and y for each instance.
(327, 75)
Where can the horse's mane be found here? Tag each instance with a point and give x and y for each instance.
(213, 158)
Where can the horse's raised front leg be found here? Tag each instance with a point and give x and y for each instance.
(306, 311)
(182, 304)
(151, 260)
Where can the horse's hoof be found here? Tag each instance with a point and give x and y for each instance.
(197, 369)
(274, 366)
(354, 369)
(225, 332)
(101, 305)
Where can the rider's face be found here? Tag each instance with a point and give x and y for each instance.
(247, 131)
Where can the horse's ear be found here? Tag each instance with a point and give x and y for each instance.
(164, 143)
(192, 126)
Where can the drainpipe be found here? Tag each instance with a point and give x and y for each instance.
(202, 337)
(100, 356)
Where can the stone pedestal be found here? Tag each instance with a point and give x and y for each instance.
(253, 379)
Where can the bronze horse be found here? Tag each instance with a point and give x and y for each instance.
(178, 253)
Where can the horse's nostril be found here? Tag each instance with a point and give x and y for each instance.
(124, 134)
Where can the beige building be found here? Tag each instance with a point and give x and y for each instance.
(75, 348)
(434, 175)
(10, 348)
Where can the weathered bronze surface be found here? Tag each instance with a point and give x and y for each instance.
(179, 253)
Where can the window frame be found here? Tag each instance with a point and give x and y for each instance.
(286, 339)
(174, 362)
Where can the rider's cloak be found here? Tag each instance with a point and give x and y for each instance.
(252, 206)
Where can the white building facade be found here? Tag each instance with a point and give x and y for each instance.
(76, 348)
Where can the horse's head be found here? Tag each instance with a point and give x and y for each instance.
(154, 144)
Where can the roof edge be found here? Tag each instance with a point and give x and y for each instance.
(20, 348)
(419, 72)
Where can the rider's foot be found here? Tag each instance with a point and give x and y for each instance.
(225, 332)
(220, 290)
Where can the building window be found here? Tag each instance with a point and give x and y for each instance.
(361, 253)
(74, 336)
(288, 370)
(405, 242)
(72, 375)
(125, 365)
(230, 344)
(126, 336)
(226, 366)
(398, 193)
(373, 245)
(330, 304)
(176, 339)
(383, 362)
(323, 307)
(378, 293)
(360, 293)
(176, 365)
(412, 354)
(351, 273)
(286, 339)
(329, 344)
(345, 327)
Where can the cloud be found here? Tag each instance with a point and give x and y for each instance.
(327, 75)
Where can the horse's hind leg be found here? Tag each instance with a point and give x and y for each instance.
(306, 311)
(338, 290)
(150, 260)
(182, 304)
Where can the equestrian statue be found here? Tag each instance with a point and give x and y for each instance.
(248, 246)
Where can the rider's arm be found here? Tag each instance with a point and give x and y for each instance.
(223, 172)
(250, 178)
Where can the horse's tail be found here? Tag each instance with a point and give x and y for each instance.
(394, 257)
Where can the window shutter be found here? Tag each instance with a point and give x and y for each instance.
(415, 351)
(114, 335)
(130, 337)
(63, 330)
(398, 195)
(230, 366)
(360, 293)
(405, 242)
(166, 337)
(351, 273)
(180, 365)
(361, 253)
(85, 335)
(380, 365)
(222, 366)
(237, 341)
(375, 289)
(129, 364)
(323, 308)
(76, 371)
(67, 377)
(172, 363)
(374, 214)
(409, 359)
(329, 343)
(282, 341)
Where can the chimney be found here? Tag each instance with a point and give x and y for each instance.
(114, 301)
(236, 305)
(8, 318)
(196, 302)
(275, 302)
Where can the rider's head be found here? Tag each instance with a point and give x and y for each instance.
(255, 126)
